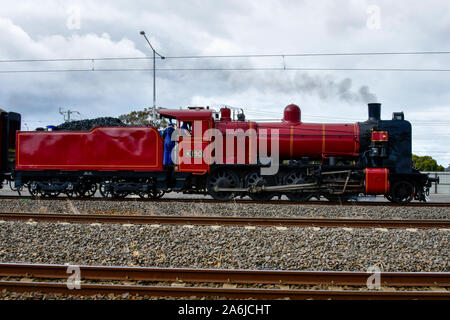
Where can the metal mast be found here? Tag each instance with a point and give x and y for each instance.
(154, 75)
(69, 112)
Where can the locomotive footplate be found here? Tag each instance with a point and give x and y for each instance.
(255, 189)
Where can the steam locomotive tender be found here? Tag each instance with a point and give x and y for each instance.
(337, 161)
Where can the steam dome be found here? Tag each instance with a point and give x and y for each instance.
(292, 114)
(225, 114)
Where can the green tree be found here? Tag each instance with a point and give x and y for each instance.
(142, 118)
(426, 163)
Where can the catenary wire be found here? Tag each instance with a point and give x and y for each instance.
(226, 69)
(279, 55)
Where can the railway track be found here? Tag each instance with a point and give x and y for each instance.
(223, 220)
(57, 273)
(239, 201)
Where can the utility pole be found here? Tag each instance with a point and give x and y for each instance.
(154, 76)
(69, 112)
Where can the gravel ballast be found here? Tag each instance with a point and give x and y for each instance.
(6, 295)
(225, 247)
(223, 209)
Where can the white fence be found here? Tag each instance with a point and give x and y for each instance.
(444, 182)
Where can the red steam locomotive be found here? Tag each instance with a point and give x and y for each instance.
(221, 156)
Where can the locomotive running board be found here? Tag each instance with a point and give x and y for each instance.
(255, 189)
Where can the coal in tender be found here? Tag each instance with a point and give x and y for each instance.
(88, 124)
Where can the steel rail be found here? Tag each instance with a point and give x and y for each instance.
(221, 276)
(234, 293)
(226, 220)
(349, 278)
(239, 201)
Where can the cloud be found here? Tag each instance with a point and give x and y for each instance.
(33, 29)
(15, 43)
(40, 94)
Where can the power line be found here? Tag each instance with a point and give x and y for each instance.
(278, 55)
(311, 54)
(227, 69)
(74, 59)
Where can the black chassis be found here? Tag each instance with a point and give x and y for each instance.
(161, 179)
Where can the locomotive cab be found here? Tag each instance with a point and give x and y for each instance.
(190, 139)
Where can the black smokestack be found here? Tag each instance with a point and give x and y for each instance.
(374, 111)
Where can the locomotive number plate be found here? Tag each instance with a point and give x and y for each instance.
(193, 154)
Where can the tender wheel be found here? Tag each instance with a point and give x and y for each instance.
(88, 190)
(297, 177)
(73, 191)
(152, 194)
(222, 179)
(402, 192)
(254, 179)
(35, 190)
(106, 190)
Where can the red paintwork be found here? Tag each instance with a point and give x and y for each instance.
(102, 149)
(296, 139)
(313, 140)
(190, 148)
(380, 136)
(225, 114)
(377, 181)
(292, 114)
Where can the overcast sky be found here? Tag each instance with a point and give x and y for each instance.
(95, 29)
